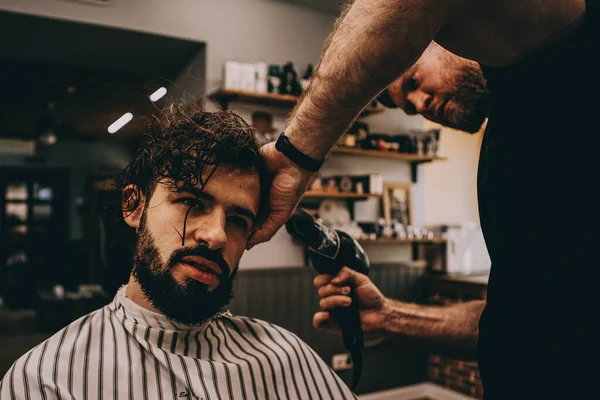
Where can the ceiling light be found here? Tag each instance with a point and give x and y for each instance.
(158, 94)
(48, 137)
(118, 124)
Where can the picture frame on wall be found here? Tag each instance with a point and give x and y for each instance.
(397, 203)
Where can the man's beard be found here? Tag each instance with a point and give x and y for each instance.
(470, 101)
(190, 303)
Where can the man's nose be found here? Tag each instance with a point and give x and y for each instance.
(211, 229)
(420, 100)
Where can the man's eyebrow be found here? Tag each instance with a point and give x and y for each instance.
(199, 193)
(406, 81)
(243, 211)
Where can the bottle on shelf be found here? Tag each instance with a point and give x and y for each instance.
(399, 230)
(289, 80)
(305, 80)
(262, 73)
(380, 226)
(274, 78)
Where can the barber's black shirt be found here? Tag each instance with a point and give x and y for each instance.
(537, 184)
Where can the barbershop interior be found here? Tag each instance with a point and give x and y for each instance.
(81, 82)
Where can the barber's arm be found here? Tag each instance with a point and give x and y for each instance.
(447, 330)
(373, 42)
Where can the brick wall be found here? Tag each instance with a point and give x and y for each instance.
(461, 376)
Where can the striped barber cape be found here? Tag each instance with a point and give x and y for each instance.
(123, 351)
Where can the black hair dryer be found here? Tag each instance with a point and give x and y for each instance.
(329, 250)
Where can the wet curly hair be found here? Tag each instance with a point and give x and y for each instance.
(183, 146)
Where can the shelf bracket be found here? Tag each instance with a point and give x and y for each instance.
(224, 101)
(414, 171)
(415, 251)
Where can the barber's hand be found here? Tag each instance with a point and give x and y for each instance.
(288, 186)
(335, 292)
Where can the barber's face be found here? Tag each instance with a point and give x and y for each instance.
(191, 282)
(445, 89)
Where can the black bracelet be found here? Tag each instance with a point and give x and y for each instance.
(308, 163)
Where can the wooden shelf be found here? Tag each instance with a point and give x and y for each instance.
(338, 195)
(225, 96)
(387, 154)
(413, 159)
(401, 241)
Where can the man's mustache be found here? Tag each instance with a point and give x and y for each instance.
(204, 252)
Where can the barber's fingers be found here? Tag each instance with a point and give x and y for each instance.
(349, 277)
(323, 279)
(346, 277)
(275, 220)
(330, 290)
(288, 184)
(332, 302)
(325, 321)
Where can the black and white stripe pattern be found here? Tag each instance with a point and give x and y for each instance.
(123, 351)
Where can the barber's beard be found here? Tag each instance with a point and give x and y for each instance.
(189, 303)
(470, 101)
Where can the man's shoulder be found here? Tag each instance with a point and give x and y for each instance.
(276, 344)
(257, 326)
(77, 326)
(263, 331)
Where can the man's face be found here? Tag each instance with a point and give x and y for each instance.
(445, 89)
(192, 282)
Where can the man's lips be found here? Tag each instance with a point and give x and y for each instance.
(203, 264)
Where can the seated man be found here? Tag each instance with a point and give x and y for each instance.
(192, 193)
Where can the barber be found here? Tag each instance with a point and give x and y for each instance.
(534, 181)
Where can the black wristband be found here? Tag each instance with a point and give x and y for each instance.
(308, 163)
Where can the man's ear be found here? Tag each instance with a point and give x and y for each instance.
(132, 204)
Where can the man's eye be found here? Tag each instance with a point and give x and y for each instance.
(411, 84)
(191, 202)
(241, 222)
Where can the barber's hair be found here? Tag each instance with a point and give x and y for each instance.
(183, 145)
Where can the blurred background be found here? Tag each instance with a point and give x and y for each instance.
(81, 78)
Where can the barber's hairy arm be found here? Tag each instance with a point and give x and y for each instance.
(450, 330)
(373, 42)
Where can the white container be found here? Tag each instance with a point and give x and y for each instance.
(248, 77)
(232, 75)
(464, 253)
(262, 70)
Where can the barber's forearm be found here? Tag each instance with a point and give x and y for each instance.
(373, 42)
(448, 330)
